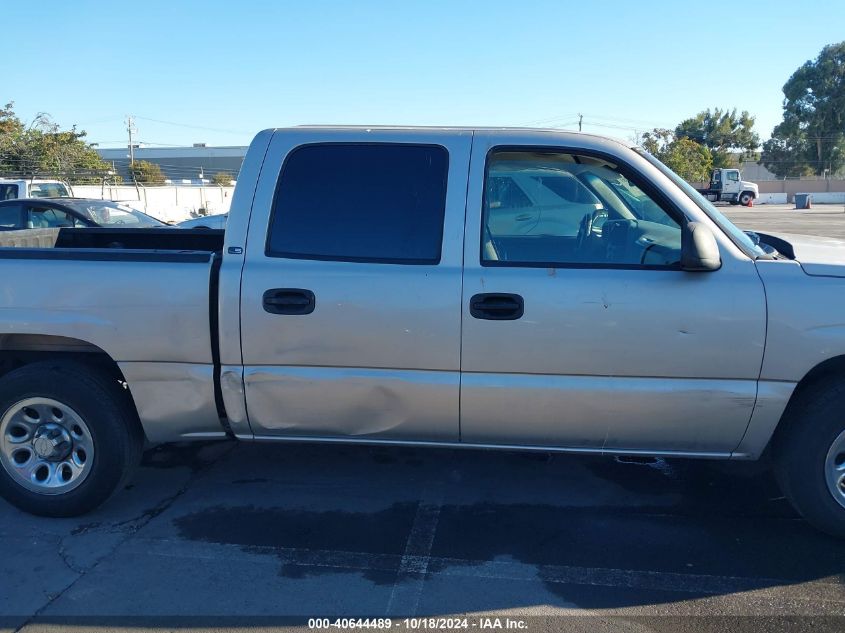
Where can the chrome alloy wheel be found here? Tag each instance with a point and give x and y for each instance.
(45, 446)
(834, 469)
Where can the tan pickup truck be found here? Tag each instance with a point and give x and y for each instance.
(513, 289)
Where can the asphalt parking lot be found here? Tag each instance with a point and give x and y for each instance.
(216, 532)
(827, 220)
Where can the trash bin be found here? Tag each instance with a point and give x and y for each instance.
(803, 200)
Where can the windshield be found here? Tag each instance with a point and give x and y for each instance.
(107, 213)
(48, 190)
(734, 232)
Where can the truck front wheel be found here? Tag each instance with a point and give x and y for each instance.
(809, 455)
(68, 438)
(746, 198)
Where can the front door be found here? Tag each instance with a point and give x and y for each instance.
(732, 182)
(351, 291)
(580, 329)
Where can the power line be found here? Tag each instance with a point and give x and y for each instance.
(637, 122)
(549, 119)
(193, 127)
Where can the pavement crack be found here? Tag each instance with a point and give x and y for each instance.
(63, 554)
(139, 522)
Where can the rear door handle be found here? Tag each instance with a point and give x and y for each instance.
(288, 301)
(496, 306)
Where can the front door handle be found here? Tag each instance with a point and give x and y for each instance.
(496, 306)
(288, 301)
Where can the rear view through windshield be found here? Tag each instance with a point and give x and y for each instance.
(48, 190)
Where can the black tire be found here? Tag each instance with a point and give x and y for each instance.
(107, 410)
(813, 420)
(746, 198)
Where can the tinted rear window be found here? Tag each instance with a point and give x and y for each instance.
(357, 202)
(7, 192)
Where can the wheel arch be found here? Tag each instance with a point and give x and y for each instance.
(19, 350)
(834, 366)
(826, 370)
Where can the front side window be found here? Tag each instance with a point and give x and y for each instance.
(733, 175)
(571, 210)
(10, 217)
(380, 202)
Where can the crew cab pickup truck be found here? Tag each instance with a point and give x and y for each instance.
(488, 288)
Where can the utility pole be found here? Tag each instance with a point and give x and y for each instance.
(130, 127)
(580, 119)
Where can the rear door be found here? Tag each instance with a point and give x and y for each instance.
(351, 288)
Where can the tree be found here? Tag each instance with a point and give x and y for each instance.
(42, 148)
(147, 173)
(692, 161)
(785, 155)
(723, 132)
(811, 137)
(222, 178)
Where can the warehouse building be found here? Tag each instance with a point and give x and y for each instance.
(180, 165)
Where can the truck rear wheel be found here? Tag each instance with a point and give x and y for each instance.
(69, 438)
(809, 455)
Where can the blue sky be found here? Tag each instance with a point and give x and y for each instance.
(217, 72)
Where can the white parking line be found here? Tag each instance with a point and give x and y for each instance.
(413, 567)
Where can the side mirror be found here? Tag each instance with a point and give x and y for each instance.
(699, 250)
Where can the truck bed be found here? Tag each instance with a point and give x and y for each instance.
(146, 298)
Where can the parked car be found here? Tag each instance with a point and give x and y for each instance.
(37, 213)
(217, 221)
(33, 188)
(388, 286)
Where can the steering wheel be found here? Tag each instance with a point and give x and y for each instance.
(585, 230)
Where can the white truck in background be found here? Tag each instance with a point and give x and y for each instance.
(33, 188)
(727, 185)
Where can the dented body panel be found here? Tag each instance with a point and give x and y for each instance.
(379, 357)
